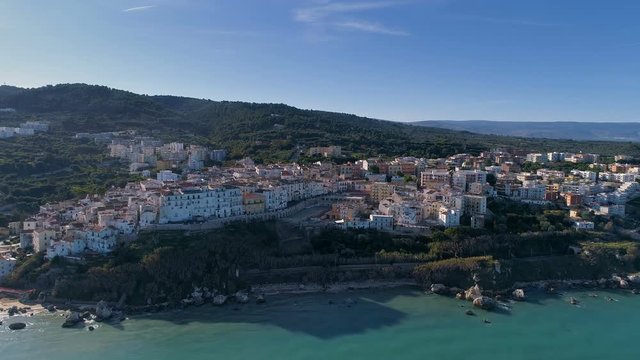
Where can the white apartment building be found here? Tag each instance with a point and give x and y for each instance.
(381, 222)
(42, 239)
(167, 175)
(531, 193)
(537, 158)
(186, 204)
(449, 217)
(462, 179)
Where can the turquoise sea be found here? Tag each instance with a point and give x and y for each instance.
(383, 324)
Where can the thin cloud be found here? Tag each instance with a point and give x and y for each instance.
(319, 13)
(340, 15)
(139, 8)
(371, 28)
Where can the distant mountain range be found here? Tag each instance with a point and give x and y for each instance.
(604, 131)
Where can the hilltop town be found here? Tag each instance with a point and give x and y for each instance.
(192, 187)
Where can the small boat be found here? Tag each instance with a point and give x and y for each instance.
(574, 301)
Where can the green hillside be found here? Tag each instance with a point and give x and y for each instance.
(55, 166)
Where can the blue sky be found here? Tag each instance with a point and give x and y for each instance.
(399, 60)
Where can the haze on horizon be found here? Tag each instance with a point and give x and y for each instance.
(546, 60)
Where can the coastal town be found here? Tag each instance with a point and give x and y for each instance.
(192, 187)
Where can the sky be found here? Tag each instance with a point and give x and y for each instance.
(522, 60)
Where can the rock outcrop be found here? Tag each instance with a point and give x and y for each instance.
(103, 311)
(17, 326)
(219, 300)
(634, 279)
(473, 293)
(72, 320)
(439, 289)
(242, 297)
(484, 302)
(519, 295)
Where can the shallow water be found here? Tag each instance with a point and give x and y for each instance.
(389, 324)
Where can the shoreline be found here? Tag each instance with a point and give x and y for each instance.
(549, 287)
(32, 308)
(338, 287)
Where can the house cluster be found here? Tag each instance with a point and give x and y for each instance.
(454, 190)
(603, 189)
(28, 128)
(413, 192)
(144, 154)
(93, 224)
(405, 192)
(97, 224)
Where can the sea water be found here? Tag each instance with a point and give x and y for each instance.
(382, 324)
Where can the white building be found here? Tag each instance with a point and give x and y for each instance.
(58, 248)
(584, 225)
(186, 204)
(42, 239)
(449, 217)
(611, 210)
(167, 175)
(537, 158)
(381, 222)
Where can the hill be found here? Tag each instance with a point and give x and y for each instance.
(605, 131)
(55, 166)
(267, 132)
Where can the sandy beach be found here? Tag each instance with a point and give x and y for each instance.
(7, 303)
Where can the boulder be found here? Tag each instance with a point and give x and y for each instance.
(624, 284)
(460, 296)
(455, 290)
(470, 313)
(634, 278)
(51, 308)
(17, 326)
(473, 293)
(13, 310)
(72, 320)
(439, 289)
(484, 302)
(242, 297)
(219, 300)
(519, 295)
(261, 300)
(103, 311)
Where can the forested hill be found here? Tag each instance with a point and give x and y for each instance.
(264, 131)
